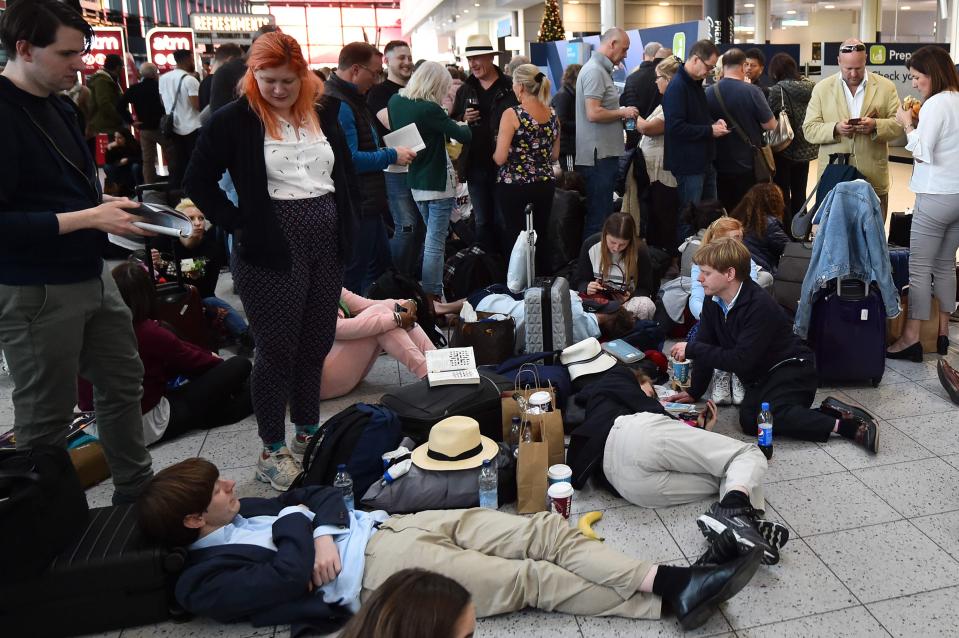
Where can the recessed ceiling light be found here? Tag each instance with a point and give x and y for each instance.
(749, 5)
(791, 12)
(830, 6)
(905, 8)
(476, 4)
(664, 4)
(573, 2)
(466, 10)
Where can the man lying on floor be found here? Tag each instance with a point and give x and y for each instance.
(303, 559)
(631, 446)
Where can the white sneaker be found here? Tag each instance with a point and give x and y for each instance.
(299, 444)
(721, 394)
(279, 468)
(739, 391)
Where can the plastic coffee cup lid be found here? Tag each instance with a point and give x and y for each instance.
(559, 471)
(539, 398)
(560, 490)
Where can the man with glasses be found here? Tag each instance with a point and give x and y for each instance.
(358, 70)
(854, 112)
(689, 146)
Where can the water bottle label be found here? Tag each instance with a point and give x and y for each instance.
(765, 435)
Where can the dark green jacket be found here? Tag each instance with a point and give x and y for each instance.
(105, 94)
(428, 170)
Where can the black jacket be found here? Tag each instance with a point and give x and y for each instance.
(479, 153)
(146, 101)
(618, 394)
(233, 140)
(564, 103)
(689, 146)
(223, 87)
(767, 250)
(585, 269)
(749, 341)
(640, 89)
(37, 182)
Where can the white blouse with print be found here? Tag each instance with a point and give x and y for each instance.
(299, 165)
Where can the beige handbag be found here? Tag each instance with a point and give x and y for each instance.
(781, 136)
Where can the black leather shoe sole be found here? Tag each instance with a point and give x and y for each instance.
(952, 390)
(698, 615)
(912, 353)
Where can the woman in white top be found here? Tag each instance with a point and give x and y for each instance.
(662, 218)
(934, 143)
(296, 199)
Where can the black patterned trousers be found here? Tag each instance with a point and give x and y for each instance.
(293, 315)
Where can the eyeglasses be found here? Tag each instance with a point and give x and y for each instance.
(852, 48)
(374, 72)
(709, 67)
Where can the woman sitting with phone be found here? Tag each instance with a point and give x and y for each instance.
(615, 263)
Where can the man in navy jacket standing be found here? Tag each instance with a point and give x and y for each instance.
(60, 312)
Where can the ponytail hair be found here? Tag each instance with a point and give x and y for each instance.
(533, 81)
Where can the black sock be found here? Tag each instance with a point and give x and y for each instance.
(670, 581)
(734, 499)
(848, 428)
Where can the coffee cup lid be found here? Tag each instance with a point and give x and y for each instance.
(539, 398)
(560, 490)
(559, 470)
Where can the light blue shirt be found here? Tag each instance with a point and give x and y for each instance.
(585, 324)
(697, 295)
(351, 543)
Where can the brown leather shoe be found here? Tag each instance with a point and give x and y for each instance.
(867, 435)
(949, 379)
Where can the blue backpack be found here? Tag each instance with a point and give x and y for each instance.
(356, 437)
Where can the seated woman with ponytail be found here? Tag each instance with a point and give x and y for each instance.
(615, 262)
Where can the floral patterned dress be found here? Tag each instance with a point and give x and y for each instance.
(530, 153)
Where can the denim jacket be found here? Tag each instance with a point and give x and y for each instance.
(851, 242)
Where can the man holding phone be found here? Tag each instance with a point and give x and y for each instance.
(854, 112)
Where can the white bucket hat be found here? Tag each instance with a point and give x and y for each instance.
(586, 357)
(455, 443)
(478, 44)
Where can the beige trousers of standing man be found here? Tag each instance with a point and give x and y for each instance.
(655, 461)
(509, 562)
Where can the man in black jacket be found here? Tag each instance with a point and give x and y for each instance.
(61, 315)
(148, 107)
(743, 330)
(640, 89)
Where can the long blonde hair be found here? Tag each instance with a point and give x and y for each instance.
(430, 82)
(533, 82)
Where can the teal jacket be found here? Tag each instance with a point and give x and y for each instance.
(428, 170)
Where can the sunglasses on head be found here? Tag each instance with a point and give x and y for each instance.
(852, 48)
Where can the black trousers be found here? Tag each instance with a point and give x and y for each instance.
(481, 181)
(789, 390)
(219, 396)
(731, 187)
(791, 177)
(512, 200)
(182, 151)
(663, 218)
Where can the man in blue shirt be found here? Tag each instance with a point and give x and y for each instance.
(302, 558)
(360, 67)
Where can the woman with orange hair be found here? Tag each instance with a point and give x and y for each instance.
(291, 167)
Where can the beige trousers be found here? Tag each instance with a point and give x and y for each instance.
(655, 461)
(509, 562)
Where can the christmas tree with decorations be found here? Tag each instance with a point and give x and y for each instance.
(552, 27)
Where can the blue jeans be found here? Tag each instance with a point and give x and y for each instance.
(407, 241)
(436, 214)
(600, 182)
(234, 321)
(371, 254)
(692, 189)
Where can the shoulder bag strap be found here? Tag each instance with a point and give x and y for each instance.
(736, 127)
(176, 96)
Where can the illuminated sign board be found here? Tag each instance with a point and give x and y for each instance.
(162, 42)
(229, 22)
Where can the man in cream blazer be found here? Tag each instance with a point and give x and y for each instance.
(839, 101)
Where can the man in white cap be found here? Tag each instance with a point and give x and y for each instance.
(481, 102)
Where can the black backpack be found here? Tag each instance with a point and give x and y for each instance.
(357, 437)
(395, 285)
(472, 269)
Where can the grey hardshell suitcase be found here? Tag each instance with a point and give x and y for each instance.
(549, 315)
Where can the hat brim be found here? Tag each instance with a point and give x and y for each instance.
(603, 362)
(422, 460)
(473, 54)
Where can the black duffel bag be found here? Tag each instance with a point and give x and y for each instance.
(42, 508)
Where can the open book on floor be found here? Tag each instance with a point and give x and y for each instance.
(451, 366)
(159, 219)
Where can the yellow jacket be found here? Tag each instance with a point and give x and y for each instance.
(869, 154)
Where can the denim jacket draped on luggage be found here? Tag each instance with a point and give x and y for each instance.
(850, 242)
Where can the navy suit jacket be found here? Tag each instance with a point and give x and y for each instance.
(232, 583)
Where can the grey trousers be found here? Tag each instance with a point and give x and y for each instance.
(149, 140)
(655, 461)
(932, 254)
(50, 334)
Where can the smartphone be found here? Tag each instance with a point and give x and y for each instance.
(856, 121)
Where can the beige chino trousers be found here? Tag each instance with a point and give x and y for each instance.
(509, 562)
(655, 461)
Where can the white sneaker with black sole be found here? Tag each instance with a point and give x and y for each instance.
(744, 524)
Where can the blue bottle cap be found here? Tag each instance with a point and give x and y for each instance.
(486, 463)
(765, 407)
(342, 466)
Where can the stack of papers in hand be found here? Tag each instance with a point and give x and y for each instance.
(157, 218)
(408, 136)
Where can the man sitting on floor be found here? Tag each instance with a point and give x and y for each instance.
(743, 330)
(303, 558)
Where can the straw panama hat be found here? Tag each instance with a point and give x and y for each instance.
(586, 357)
(478, 44)
(455, 443)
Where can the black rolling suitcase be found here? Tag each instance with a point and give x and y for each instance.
(111, 577)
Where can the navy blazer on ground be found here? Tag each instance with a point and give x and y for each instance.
(233, 583)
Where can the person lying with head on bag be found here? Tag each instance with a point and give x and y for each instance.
(364, 329)
(184, 386)
(302, 558)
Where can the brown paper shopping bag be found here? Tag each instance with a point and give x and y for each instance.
(531, 467)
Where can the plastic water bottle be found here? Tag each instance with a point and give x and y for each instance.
(488, 486)
(344, 482)
(765, 426)
(514, 436)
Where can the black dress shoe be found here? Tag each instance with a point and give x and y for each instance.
(912, 353)
(711, 585)
(836, 408)
(942, 345)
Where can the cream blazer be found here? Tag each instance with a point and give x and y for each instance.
(869, 154)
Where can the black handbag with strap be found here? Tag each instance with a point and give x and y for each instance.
(167, 121)
(764, 166)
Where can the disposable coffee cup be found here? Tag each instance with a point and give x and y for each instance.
(540, 402)
(680, 371)
(561, 498)
(559, 474)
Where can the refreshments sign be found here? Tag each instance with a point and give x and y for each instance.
(106, 41)
(229, 22)
(162, 42)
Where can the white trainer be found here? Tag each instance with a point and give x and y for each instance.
(739, 391)
(721, 393)
(279, 468)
